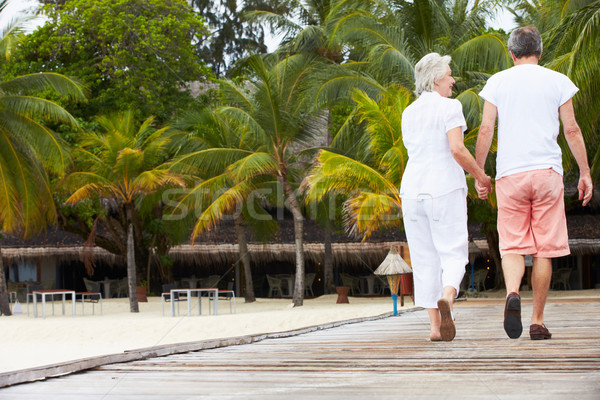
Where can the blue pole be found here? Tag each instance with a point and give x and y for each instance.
(395, 299)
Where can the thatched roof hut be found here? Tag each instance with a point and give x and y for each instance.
(220, 247)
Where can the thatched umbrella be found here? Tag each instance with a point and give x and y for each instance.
(394, 266)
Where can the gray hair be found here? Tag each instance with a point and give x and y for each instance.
(428, 70)
(525, 42)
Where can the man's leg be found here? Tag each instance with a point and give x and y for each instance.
(542, 275)
(549, 226)
(513, 267)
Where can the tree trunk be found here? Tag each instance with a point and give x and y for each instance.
(131, 270)
(491, 236)
(4, 304)
(294, 207)
(241, 237)
(149, 265)
(329, 283)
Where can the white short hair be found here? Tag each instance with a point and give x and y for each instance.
(428, 70)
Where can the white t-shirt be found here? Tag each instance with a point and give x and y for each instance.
(431, 170)
(528, 97)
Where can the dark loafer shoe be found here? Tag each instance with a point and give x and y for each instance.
(539, 332)
(512, 316)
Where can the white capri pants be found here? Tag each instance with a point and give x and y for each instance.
(436, 230)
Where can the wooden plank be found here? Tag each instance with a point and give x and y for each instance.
(385, 358)
(65, 368)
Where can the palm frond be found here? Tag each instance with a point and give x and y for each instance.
(149, 181)
(472, 106)
(394, 161)
(86, 192)
(235, 95)
(61, 84)
(34, 107)
(12, 35)
(128, 164)
(336, 82)
(46, 144)
(253, 165)
(338, 173)
(26, 202)
(368, 212)
(211, 161)
(487, 52)
(277, 23)
(200, 195)
(227, 203)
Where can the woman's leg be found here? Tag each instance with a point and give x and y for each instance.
(451, 239)
(448, 216)
(427, 275)
(434, 324)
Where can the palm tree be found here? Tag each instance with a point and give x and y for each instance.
(270, 114)
(388, 38)
(384, 40)
(123, 165)
(29, 149)
(216, 196)
(302, 26)
(369, 179)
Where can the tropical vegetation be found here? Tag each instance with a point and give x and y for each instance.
(132, 54)
(31, 154)
(122, 167)
(317, 120)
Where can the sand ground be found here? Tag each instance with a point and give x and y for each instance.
(32, 342)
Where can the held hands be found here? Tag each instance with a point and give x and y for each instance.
(585, 188)
(483, 187)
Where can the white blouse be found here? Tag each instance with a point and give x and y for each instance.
(431, 170)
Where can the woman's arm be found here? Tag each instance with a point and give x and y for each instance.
(464, 158)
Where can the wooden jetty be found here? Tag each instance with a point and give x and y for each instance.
(379, 359)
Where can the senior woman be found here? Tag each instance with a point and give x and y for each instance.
(434, 190)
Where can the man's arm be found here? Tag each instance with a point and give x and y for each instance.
(484, 141)
(577, 146)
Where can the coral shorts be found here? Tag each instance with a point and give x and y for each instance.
(531, 214)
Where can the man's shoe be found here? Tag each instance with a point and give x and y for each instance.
(447, 328)
(539, 332)
(512, 316)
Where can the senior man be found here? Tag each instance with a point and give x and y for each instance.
(528, 100)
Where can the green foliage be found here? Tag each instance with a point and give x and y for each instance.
(133, 54)
(369, 184)
(231, 36)
(301, 24)
(30, 151)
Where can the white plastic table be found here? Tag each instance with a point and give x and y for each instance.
(52, 293)
(214, 291)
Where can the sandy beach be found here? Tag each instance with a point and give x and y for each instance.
(32, 342)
